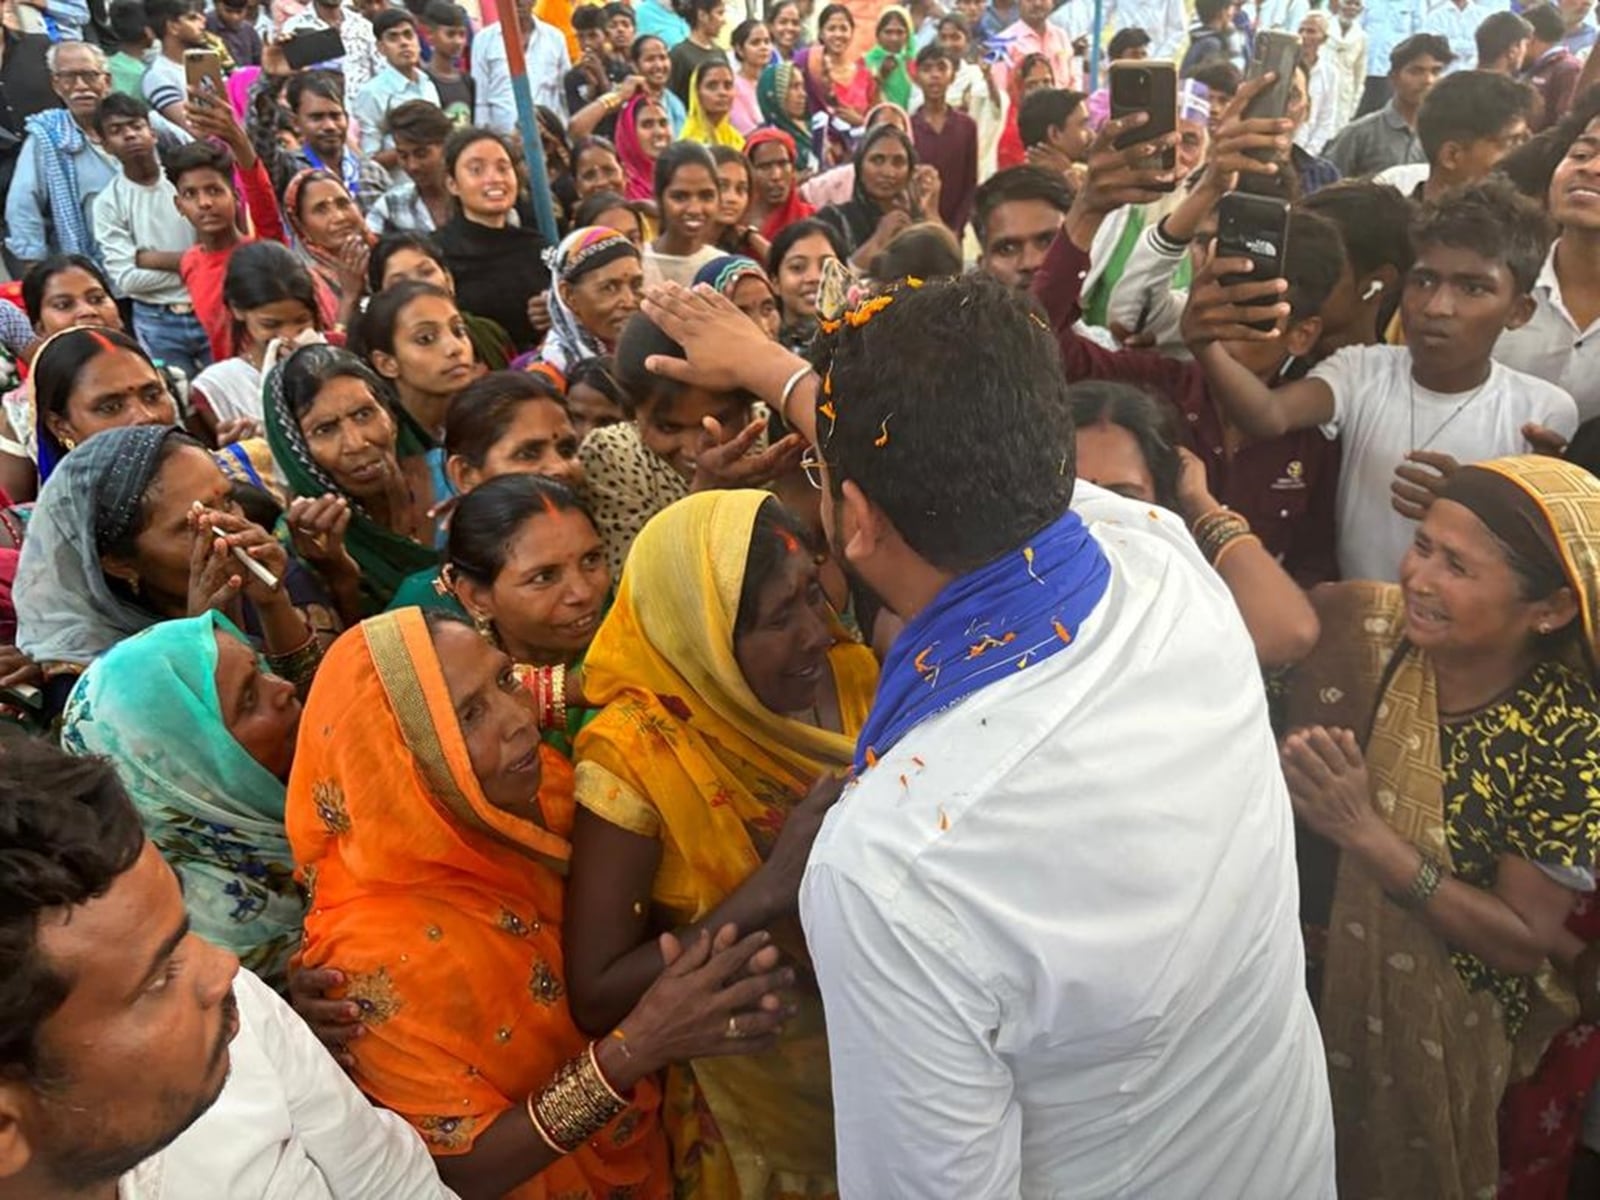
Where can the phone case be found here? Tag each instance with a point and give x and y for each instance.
(1257, 228)
(1147, 87)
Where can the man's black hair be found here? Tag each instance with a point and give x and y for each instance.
(67, 831)
(329, 85)
(119, 105)
(1374, 220)
(1469, 106)
(162, 13)
(1126, 40)
(933, 52)
(1498, 32)
(196, 156)
(1220, 76)
(1207, 11)
(1015, 184)
(1547, 24)
(952, 417)
(442, 14)
(390, 19)
(1417, 46)
(1312, 264)
(586, 18)
(1493, 219)
(128, 21)
(1044, 110)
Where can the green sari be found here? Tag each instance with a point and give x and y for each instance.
(385, 557)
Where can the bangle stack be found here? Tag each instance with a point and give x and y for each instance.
(576, 1104)
(1429, 879)
(1218, 530)
(298, 665)
(611, 101)
(549, 685)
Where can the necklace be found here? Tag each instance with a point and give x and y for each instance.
(1445, 424)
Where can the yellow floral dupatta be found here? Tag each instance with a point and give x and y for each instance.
(1417, 1064)
(685, 752)
(444, 912)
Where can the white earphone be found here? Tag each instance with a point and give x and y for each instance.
(1374, 286)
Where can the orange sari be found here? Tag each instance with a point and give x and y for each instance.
(444, 912)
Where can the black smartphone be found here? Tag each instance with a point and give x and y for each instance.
(1257, 228)
(1277, 52)
(1149, 87)
(308, 49)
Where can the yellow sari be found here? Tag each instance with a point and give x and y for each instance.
(444, 913)
(1417, 1062)
(684, 752)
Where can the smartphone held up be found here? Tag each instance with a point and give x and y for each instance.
(1149, 87)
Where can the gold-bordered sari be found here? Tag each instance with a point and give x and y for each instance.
(444, 912)
(683, 751)
(1417, 1062)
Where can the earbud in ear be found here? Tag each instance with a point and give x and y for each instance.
(1374, 286)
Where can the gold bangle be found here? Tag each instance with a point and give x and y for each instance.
(558, 695)
(575, 1105)
(544, 1135)
(1237, 539)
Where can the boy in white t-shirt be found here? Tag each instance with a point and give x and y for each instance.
(1409, 414)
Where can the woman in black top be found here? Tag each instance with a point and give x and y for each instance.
(700, 47)
(493, 251)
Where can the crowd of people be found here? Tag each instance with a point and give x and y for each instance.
(939, 634)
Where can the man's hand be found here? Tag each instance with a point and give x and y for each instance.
(1419, 481)
(1219, 313)
(1235, 137)
(1118, 177)
(210, 117)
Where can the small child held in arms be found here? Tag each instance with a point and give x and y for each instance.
(1408, 415)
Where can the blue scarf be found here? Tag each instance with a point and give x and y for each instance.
(57, 139)
(1011, 613)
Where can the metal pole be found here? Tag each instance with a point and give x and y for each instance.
(1094, 44)
(532, 148)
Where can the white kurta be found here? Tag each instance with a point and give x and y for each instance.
(289, 1125)
(1056, 927)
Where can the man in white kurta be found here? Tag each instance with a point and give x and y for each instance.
(1056, 926)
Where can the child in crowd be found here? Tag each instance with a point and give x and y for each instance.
(1439, 400)
(663, 451)
(203, 176)
(135, 46)
(445, 25)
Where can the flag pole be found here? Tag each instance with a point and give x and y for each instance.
(532, 146)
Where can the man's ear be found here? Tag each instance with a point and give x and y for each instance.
(1302, 336)
(16, 1152)
(1522, 310)
(860, 524)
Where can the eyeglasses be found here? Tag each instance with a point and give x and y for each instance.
(78, 76)
(811, 464)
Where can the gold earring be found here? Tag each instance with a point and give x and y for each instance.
(483, 625)
(1544, 626)
(133, 584)
(69, 443)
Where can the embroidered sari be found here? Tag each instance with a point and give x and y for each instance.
(1418, 1059)
(683, 751)
(444, 912)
